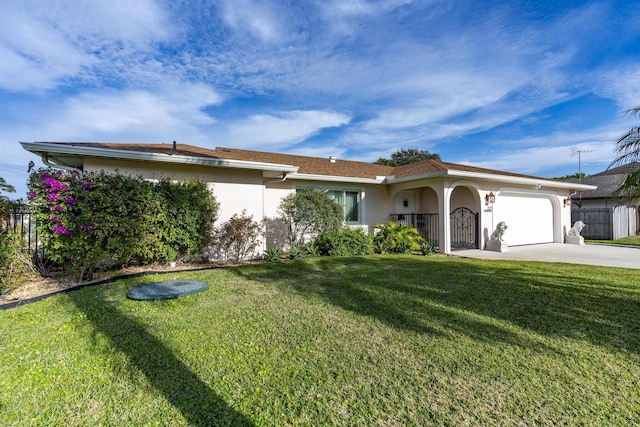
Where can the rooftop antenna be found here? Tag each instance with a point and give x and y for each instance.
(579, 152)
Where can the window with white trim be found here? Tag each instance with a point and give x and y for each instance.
(348, 200)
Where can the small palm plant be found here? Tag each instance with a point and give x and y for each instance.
(398, 238)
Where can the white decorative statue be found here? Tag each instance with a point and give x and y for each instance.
(576, 229)
(499, 231)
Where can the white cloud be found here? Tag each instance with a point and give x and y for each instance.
(174, 114)
(257, 19)
(269, 132)
(621, 84)
(597, 151)
(44, 42)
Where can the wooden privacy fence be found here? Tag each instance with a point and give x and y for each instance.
(607, 223)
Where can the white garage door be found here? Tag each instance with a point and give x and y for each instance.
(529, 219)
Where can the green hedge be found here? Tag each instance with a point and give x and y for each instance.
(344, 242)
(97, 219)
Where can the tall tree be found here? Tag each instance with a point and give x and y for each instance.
(628, 152)
(407, 156)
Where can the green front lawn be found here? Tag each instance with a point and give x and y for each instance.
(630, 241)
(380, 340)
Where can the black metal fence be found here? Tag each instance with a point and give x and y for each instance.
(22, 222)
(464, 229)
(426, 224)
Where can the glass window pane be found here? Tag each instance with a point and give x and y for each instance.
(351, 206)
(336, 196)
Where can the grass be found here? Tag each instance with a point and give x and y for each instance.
(629, 241)
(380, 340)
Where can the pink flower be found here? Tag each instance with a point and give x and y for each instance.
(61, 229)
(55, 185)
(52, 197)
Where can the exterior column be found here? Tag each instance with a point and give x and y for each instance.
(444, 223)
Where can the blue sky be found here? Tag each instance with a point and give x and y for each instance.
(516, 86)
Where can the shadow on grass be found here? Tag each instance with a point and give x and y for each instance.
(464, 296)
(183, 389)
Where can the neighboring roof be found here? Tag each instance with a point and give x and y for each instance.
(607, 181)
(301, 167)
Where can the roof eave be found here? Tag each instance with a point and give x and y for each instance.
(43, 148)
(494, 177)
(331, 178)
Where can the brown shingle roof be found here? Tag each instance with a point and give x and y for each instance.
(312, 165)
(306, 164)
(428, 166)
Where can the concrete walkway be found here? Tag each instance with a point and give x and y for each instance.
(591, 254)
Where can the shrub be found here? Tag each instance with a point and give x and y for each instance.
(273, 254)
(238, 237)
(381, 246)
(313, 250)
(98, 219)
(427, 248)
(344, 242)
(308, 213)
(189, 212)
(398, 238)
(296, 252)
(12, 262)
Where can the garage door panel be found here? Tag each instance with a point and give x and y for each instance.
(529, 219)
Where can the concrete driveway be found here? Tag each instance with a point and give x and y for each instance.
(591, 254)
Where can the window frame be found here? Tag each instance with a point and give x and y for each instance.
(344, 190)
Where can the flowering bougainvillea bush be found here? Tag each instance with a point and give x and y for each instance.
(97, 219)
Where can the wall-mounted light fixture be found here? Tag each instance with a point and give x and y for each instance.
(490, 198)
(567, 202)
(405, 203)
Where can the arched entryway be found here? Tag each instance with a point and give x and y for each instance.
(463, 218)
(464, 229)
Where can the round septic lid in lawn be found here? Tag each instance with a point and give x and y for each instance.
(167, 289)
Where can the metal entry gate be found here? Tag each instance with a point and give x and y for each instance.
(464, 229)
